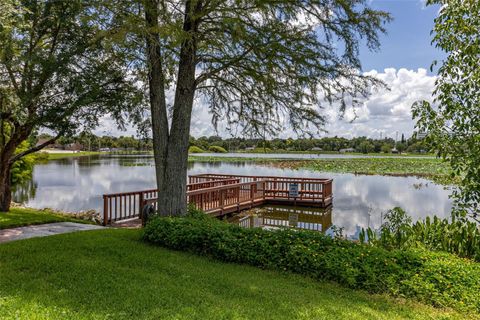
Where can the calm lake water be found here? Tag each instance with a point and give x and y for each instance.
(359, 201)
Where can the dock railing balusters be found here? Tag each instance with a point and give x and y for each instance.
(221, 194)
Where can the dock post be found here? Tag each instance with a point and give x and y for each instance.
(105, 210)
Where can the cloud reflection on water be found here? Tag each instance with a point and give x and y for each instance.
(78, 184)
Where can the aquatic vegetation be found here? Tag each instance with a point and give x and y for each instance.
(431, 168)
(456, 235)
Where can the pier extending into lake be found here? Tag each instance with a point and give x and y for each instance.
(221, 194)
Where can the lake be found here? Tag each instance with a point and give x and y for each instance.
(75, 184)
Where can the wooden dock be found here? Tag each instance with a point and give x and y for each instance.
(220, 194)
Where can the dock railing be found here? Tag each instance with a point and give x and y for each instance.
(222, 194)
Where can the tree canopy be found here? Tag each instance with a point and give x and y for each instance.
(453, 120)
(59, 71)
(258, 65)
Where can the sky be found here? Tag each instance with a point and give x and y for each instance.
(402, 62)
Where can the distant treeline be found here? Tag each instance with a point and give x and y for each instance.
(327, 144)
(91, 142)
(218, 144)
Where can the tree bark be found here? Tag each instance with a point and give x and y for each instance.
(5, 181)
(171, 146)
(158, 105)
(172, 190)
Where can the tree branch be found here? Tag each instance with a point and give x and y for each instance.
(35, 149)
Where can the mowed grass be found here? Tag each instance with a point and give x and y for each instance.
(18, 217)
(111, 274)
(56, 156)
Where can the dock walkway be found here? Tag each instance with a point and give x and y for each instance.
(221, 194)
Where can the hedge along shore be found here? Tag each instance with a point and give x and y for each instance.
(439, 279)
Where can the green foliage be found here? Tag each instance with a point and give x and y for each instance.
(439, 279)
(431, 168)
(110, 274)
(452, 120)
(327, 144)
(59, 71)
(18, 217)
(260, 150)
(386, 148)
(217, 149)
(194, 149)
(41, 156)
(22, 170)
(396, 222)
(458, 236)
(365, 147)
(240, 51)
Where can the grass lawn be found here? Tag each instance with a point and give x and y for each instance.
(111, 274)
(56, 156)
(18, 217)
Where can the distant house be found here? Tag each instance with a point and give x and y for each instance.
(73, 146)
(316, 149)
(346, 150)
(421, 135)
(49, 146)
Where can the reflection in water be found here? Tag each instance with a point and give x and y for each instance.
(78, 184)
(22, 192)
(275, 217)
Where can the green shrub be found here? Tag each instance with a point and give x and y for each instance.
(40, 156)
(457, 235)
(261, 150)
(195, 149)
(22, 169)
(217, 149)
(436, 278)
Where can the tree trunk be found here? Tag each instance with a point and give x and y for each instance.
(5, 185)
(158, 105)
(171, 146)
(172, 194)
(7, 159)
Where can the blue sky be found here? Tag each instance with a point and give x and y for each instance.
(407, 43)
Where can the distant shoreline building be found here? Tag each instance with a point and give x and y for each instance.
(421, 135)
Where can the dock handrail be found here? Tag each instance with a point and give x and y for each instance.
(223, 194)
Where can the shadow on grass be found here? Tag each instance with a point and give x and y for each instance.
(111, 274)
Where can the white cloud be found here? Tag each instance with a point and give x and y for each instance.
(385, 112)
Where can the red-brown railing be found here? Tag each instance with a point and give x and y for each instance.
(217, 199)
(220, 194)
(278, 187)
(245, 178)
(125, 205)
(211, 183)
(128, 205)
